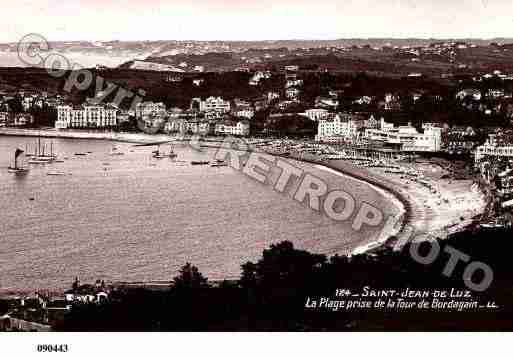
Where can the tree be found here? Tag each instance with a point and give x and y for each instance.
(15, 105)
(282, 265)
(45, 116)
(191, 278)
(248, 277)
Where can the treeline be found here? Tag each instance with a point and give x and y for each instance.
(437, 103)
(271, 293)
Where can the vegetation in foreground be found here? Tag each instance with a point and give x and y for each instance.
(271, 294)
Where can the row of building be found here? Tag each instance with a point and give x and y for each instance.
(16, 119)
(351, 128)
(210, 116)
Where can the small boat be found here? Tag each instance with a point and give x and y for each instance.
(156, 154)
(219, 163)
(80, 154)
(17, 169)
(115, 152)
(199, 163)
(39, 161)
(56, 173)
(172, 153)
(159, 155)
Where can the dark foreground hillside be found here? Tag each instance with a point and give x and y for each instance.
(271, 294)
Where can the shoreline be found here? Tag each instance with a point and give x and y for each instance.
(415, 215)
(388, 192)
(405, 199)
(451, 208)
(128, 137)
(396, 198)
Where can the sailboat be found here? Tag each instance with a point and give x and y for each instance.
(172, 153)
(17, 169)
(40, 156)
(157, 154)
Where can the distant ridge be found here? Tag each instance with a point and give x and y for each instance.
(218, 55)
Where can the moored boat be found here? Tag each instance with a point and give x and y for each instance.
(115, 152)
(159, 155)
(219, 163)
(40, 156)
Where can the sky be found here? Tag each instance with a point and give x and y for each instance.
(102, 20)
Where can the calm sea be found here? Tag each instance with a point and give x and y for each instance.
(133, 218)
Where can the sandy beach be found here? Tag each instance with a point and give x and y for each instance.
(434, 204)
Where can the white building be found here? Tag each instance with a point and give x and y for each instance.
(495, 93)
(149, 108)
(317, 114)
(338, 127)
(326, 102)
(240, 128)
(202, 127)
(4, 118)
(211, 104)
(293, 83)
(475, 94)
(493, 148)
(292, 93)
(364, 100)
(258, 76)
(271, 96)
(245, 112)
(292, 68)
(23, 119)
(87, 116)
(407, 138)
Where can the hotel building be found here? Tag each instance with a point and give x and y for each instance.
(407, 138)
(87, 116)
(339, 127)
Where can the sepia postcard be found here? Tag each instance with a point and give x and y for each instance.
(265, 166)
